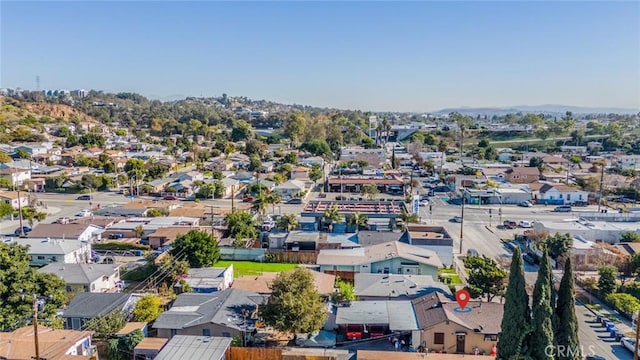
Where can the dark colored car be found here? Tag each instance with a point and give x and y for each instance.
(247, 199)
(170, 197)
(84, 197)
(510, 224)
(25, 230)
(294, 201)
(528, 258)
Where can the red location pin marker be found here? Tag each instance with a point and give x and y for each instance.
(462, 297)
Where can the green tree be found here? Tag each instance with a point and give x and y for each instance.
(260, 203)
(240, 225)
(318, 147)
(566, 323)
(629, 236)
(17, 275)
(607, 280)
(148, 308)
(294, 127)
(206, 191)
(316, 173)
(358, 220)
(23, 154)
(156, 212)
(273, 199)
(287, 222)
(241, 131)
(344, 292)
(30, 214)
(200, 248)
(5, 209)
(558, 244)
(542, 337)
(486, 278)
(536, 162)
(626, 303)
(294, 305)
(121, 348)
(513, 339)
(370, 190)
(107, 324)
(331, 216)
(4, 158)
(135, 169)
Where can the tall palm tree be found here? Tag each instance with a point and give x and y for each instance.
(288, 222)
(260, 203)
(407, 218)
(273, 199)
(358, 220)
(386, 126)
(332, 215)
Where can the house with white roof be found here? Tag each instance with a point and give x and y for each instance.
(86, 277)
(290, 189)
(43, 251)
(387, 258)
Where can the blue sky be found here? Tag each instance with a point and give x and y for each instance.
(396, 56)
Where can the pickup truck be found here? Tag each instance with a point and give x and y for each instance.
(354, 332)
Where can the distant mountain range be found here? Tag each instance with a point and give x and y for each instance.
(545, 109)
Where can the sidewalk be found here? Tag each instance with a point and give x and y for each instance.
(623, 324)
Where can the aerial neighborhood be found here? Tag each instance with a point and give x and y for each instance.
(228, 228)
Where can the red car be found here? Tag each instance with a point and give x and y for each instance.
(247, 199)
(170, 197)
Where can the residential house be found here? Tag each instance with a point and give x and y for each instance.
(559, 194)
(267, 167)
(260, 284)
(70, 231)
(190, 176)
(15, 176)
(445, 327)
(433, 238)
(290, 189)
(227, 313)
(207, 280)
(396, 287)
(148, 348)
(589, 230)
(88, 305)
(375, 319)
(220, 164)
(387, 258)
(522, 175)
(166, 235)
(573, 150)
(230, 187)
(53, 344)
(505, 155)
(300, 173)
(367, 237)
(33, 150)
(86, 277)
(437, 157)
(627, 162)
(310, 161)
(555, 160)
(186, 347)
(46, 251)
(12, 198)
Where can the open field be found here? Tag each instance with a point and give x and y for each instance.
(241, 268)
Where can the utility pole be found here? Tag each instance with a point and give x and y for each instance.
(461, 224)
(233, 195)
(602, 164)
(15, 184)
(35, 326)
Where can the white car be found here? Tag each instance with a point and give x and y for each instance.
(457, 219)
(84, 213)
(424, 202)
(628, 343)
(525, 224)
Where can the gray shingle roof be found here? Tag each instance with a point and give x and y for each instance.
(222, 307)
(398, 314)
(80, 273)
(396, 286)
(88, 305)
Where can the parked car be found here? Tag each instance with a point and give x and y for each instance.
(62, 220)
(424, 202)
(510, 224)
(472, 252)
(84, 213)
(525, 204)
(562, 208)
(528, 258)
(84, 197)
(294, 201)
(456, 219)
(25, 230)
(247, 199)
(170, 197)
(628, 343)
(525, 224)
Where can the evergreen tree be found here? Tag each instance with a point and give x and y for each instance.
(542, 336)
(566, 330)
(516, 321)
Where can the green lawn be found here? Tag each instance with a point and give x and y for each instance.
(241, 268)
(450, 273)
